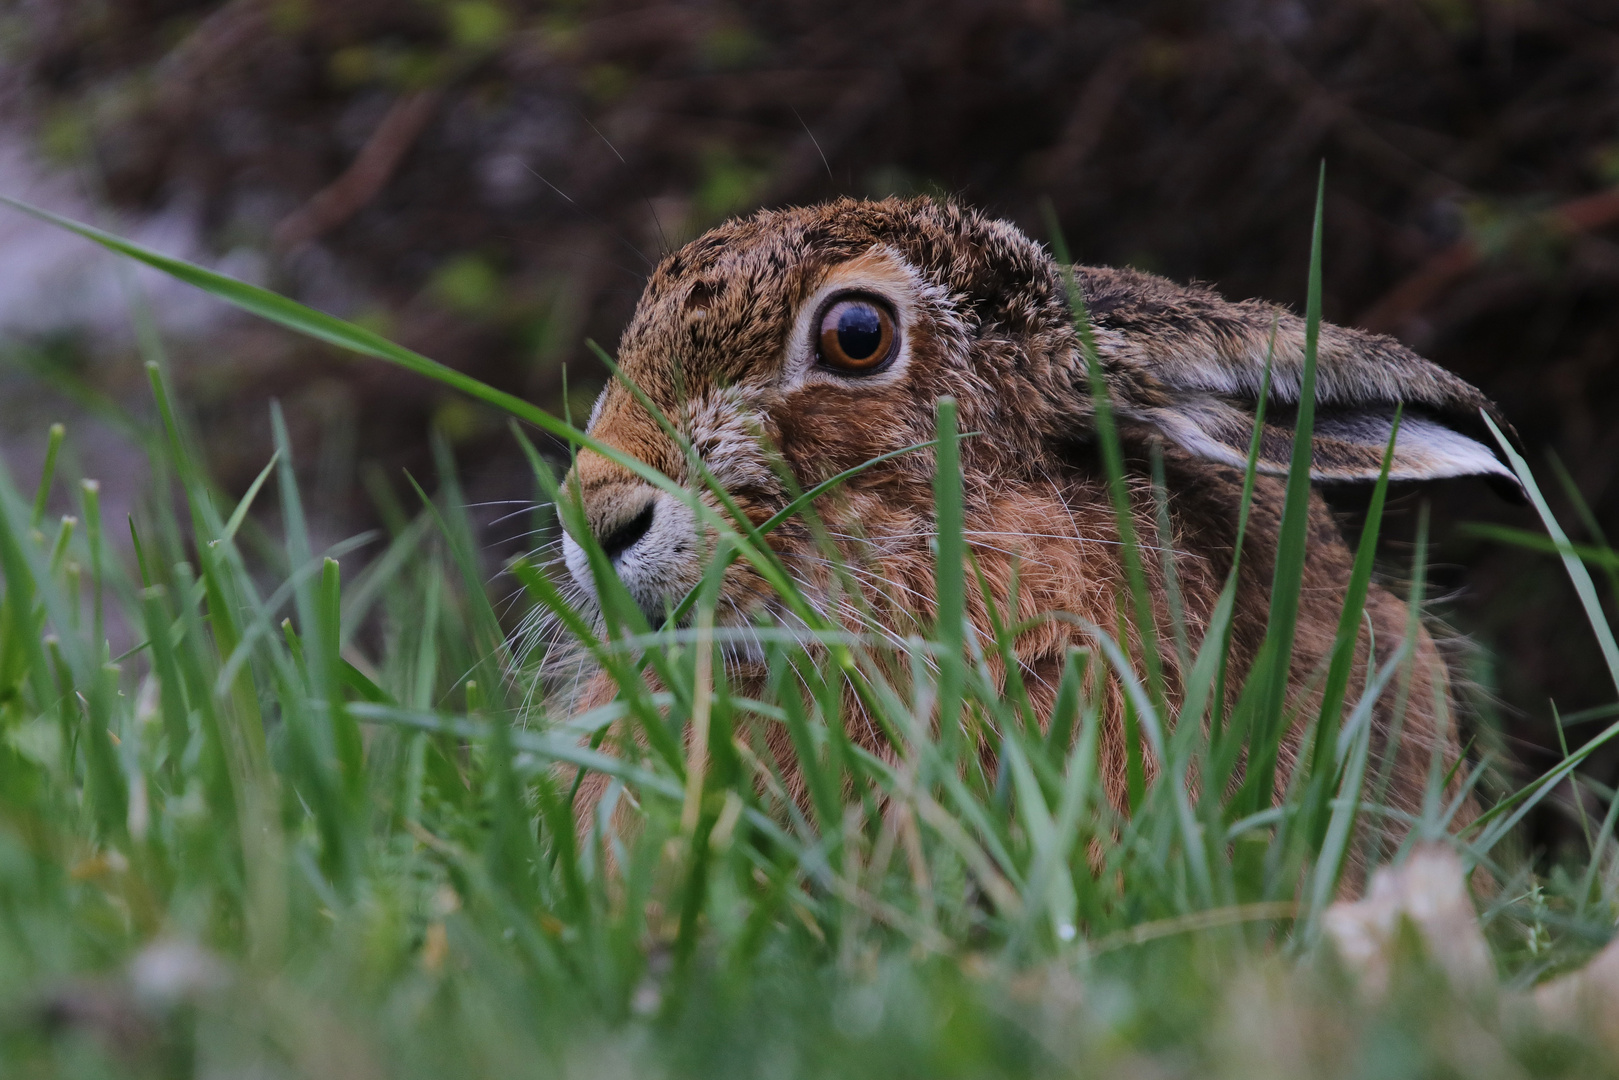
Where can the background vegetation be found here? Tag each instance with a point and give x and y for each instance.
(197, 876)
(488, 181)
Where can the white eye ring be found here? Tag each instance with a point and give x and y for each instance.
(879, 278)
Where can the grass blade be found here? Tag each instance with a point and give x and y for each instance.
(1288, 578)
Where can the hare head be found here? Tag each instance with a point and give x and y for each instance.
(790, 346)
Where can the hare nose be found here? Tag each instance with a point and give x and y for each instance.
(619, 532)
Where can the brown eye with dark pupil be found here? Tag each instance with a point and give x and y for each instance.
(857, 335)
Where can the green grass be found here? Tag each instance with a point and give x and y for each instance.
(311, 822)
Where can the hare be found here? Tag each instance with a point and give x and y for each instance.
(825, 334)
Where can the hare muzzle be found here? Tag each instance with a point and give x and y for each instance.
(648, 537)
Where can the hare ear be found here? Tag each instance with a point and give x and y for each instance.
(1347, 446)
(1192, 365)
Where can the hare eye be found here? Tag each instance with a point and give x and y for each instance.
(857, 336)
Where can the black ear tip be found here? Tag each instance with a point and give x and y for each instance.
(1511, 433)
(1508, 488)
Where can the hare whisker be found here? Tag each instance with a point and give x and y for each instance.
(872, 575)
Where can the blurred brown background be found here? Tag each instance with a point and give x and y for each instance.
(489, 181)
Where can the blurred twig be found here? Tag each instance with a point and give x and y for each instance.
(1416, 292)
(370, 172)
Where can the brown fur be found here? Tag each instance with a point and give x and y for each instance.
(715, 345)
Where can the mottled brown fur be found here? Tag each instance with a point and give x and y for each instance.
(714, 344)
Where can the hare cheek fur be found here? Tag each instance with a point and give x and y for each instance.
(723, 343)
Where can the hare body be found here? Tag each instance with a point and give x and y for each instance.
(730, 342)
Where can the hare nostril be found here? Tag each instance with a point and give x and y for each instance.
(621, 537)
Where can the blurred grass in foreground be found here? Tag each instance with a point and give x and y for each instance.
(320, 825)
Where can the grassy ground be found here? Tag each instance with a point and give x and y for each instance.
(311, 823)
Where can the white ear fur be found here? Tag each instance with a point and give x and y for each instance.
(1346, 447)
(1425, 449)
(596, 409)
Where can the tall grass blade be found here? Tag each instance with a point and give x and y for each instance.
(949, 571)
(53, 447)
(1288, 579)
(1581, 578)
